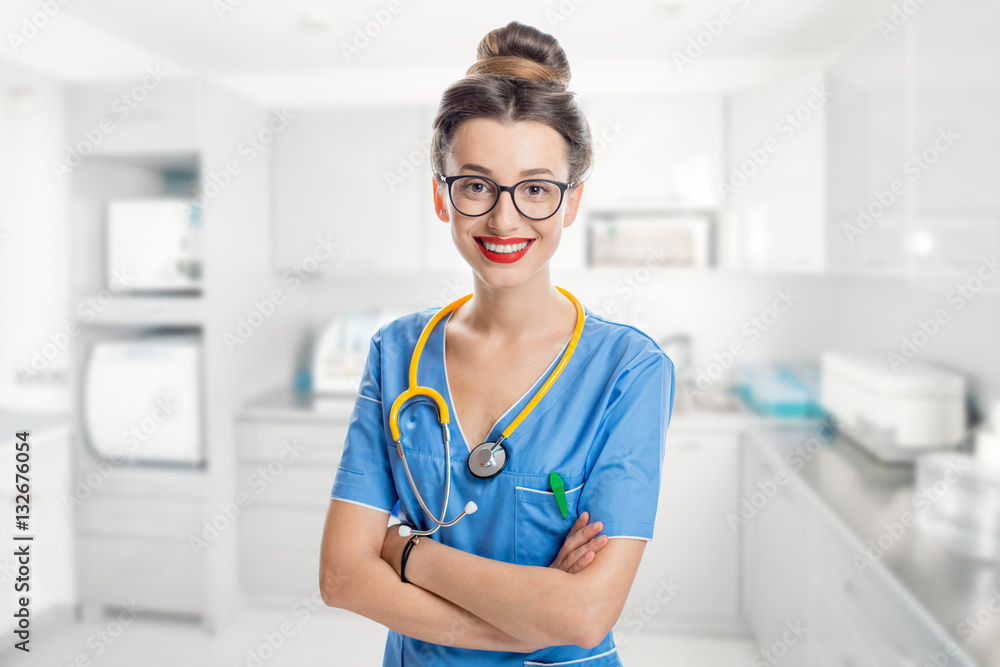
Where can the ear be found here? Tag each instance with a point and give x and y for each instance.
(573, 205)
(440, 200)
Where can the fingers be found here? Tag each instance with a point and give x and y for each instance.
(573, 539)
(584, 556)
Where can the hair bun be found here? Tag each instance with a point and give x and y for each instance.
(519, 51)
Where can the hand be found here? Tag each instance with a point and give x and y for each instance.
(581, 545)
(392, 547)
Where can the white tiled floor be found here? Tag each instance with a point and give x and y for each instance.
(329, 637)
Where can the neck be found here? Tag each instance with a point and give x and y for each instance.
(514, 313)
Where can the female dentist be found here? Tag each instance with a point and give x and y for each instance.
(556, 417)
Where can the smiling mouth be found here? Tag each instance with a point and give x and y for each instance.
(503, 251)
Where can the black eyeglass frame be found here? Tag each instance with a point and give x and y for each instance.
(508, 188)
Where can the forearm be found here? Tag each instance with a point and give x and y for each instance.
(373, 589)
(537, 605)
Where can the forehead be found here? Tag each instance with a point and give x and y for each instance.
(507, 150)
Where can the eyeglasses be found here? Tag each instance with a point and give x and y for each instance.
(535, 199)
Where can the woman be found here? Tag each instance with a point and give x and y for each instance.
(525, 579)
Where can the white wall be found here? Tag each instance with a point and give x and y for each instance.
(33, 250)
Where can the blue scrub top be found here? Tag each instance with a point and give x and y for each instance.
(601, 426)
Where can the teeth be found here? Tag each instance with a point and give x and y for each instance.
(506, 247)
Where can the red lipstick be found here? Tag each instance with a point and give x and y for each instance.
(507, 257)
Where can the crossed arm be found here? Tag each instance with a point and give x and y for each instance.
(460, 599)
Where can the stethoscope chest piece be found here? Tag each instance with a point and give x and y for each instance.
(488, 459)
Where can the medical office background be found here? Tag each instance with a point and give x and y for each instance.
(207, 208)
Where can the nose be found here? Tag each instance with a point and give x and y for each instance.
(504, 216)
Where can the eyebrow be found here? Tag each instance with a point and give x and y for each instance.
(527, 172)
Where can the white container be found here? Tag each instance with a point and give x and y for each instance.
(962, 508)
(904, 411)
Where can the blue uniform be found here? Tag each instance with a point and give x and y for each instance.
(601, 426)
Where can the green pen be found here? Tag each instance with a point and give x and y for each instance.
(559, 489)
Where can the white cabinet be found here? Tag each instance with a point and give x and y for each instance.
(774, 184)
(281, 529)
(689, 572)
(662, 153)
(804, 598)
(153, 114)
(355, 177)
(776, 569)
(893, 174)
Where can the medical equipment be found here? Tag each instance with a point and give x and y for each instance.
(488, 459)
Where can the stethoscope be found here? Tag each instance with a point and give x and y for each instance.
(488, 459)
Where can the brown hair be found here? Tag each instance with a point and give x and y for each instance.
(520, 74)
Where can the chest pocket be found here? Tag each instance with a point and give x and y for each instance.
(539, 526)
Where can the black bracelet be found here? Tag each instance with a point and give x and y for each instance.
(413, 541)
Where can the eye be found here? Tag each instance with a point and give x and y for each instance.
(536, 189)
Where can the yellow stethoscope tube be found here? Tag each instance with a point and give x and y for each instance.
(487, 449)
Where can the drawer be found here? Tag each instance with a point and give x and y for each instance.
(897, 630)
(280, 571)
(290, 485)
(314, 443)
(835, 641)
(140, 517)
(92, 478)
(282, 527)
(162, 575)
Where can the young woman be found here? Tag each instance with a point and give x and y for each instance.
(571, 409)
